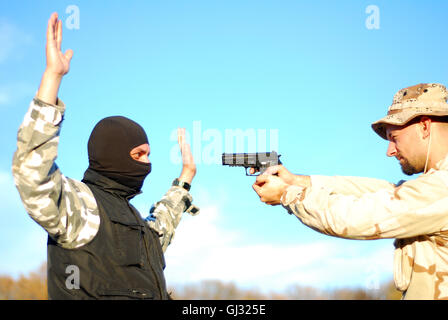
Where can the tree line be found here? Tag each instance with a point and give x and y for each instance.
(34, 287)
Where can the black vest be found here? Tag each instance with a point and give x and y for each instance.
(123, 261)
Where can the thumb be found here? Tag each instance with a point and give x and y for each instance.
(272, 170)
(69, 54)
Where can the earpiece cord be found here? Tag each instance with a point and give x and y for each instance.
(427, 152)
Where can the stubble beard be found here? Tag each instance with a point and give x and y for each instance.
(408, 168)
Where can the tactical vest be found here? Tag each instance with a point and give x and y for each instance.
(123, 261)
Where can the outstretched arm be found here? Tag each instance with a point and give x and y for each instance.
(359, 208)
(58, 63)
(280, 179)
(65, 208)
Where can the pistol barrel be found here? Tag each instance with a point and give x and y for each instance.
(251, 159)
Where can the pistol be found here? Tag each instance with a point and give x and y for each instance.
(260, 161)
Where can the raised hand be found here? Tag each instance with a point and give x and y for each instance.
(57, 62)
(189, 167)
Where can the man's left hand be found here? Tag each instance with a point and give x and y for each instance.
(189, 167)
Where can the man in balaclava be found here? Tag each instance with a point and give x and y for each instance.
(99, 247)
(109, 149)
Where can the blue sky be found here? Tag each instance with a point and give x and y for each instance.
(310, 71)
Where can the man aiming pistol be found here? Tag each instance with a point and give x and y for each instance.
(413, 212)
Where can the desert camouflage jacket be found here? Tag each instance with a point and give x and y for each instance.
(414, 212)
(64, 207)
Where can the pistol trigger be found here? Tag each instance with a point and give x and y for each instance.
(248, 172)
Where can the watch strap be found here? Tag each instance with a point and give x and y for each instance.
(182, 184)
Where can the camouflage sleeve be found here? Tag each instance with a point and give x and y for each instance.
(165, 215)
(65, 208)
(414, 208)
(355, 186)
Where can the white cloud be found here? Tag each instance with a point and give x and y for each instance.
(202, 250)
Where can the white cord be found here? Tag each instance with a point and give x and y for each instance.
(429, 147)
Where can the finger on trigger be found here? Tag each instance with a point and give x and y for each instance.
(272, 170)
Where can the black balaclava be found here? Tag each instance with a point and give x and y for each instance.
(109, 148)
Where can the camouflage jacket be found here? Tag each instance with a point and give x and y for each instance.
(64, 207)
(414, 212)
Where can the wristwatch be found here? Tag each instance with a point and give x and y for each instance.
(182, 184)
(190, 208)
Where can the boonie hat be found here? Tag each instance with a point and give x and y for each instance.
(425, 99)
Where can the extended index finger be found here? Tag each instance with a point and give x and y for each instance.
(273, 170)
(185, 149)
(59, 34)
(51, 27)
(181, 136)
(181, 140)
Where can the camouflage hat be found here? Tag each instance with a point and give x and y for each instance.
(426, 99)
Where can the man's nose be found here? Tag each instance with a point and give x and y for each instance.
(145, 159)
(391, 150)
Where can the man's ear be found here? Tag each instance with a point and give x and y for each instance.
(425, 126)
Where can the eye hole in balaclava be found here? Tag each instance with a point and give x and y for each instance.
(109, 148)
